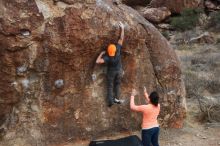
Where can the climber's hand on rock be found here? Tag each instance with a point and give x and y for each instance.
(134, 92)
(121, 25)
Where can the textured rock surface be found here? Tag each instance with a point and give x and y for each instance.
(47, 55)
(211, 5)
(155, 15)
(176, 6)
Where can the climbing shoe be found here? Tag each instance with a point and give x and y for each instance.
(117, 101)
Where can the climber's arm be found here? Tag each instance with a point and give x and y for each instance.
(100, 60)
(121, 39)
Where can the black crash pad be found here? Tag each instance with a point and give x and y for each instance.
(126, 141)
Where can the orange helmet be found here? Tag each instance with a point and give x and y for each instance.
(111, 50)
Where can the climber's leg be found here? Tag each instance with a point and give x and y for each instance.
(117, 83)
(110, 80)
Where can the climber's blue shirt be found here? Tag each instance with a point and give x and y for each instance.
(114, 63)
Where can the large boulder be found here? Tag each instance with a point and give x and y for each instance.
(18, 20)
(155, 15)
(51, 89)
(211, 5)
(177, 6)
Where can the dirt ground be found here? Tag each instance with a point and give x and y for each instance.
(193, 133)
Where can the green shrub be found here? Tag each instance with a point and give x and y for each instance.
(218, 41)
(214, 22)
(188, 19)
(165, 34)
(215, 18)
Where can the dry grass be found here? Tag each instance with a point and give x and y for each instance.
(201, 69)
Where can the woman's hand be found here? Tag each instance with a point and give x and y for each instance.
(134, 92)
(145, 91)
(146, 95)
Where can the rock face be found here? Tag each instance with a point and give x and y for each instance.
(50, 89)
(211, 5)
(176, 6)
(155, 15)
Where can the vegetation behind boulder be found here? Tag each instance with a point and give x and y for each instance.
(188, 19)
(214, 23)
(201, 70)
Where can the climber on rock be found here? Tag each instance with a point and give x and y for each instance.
(114, 68)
